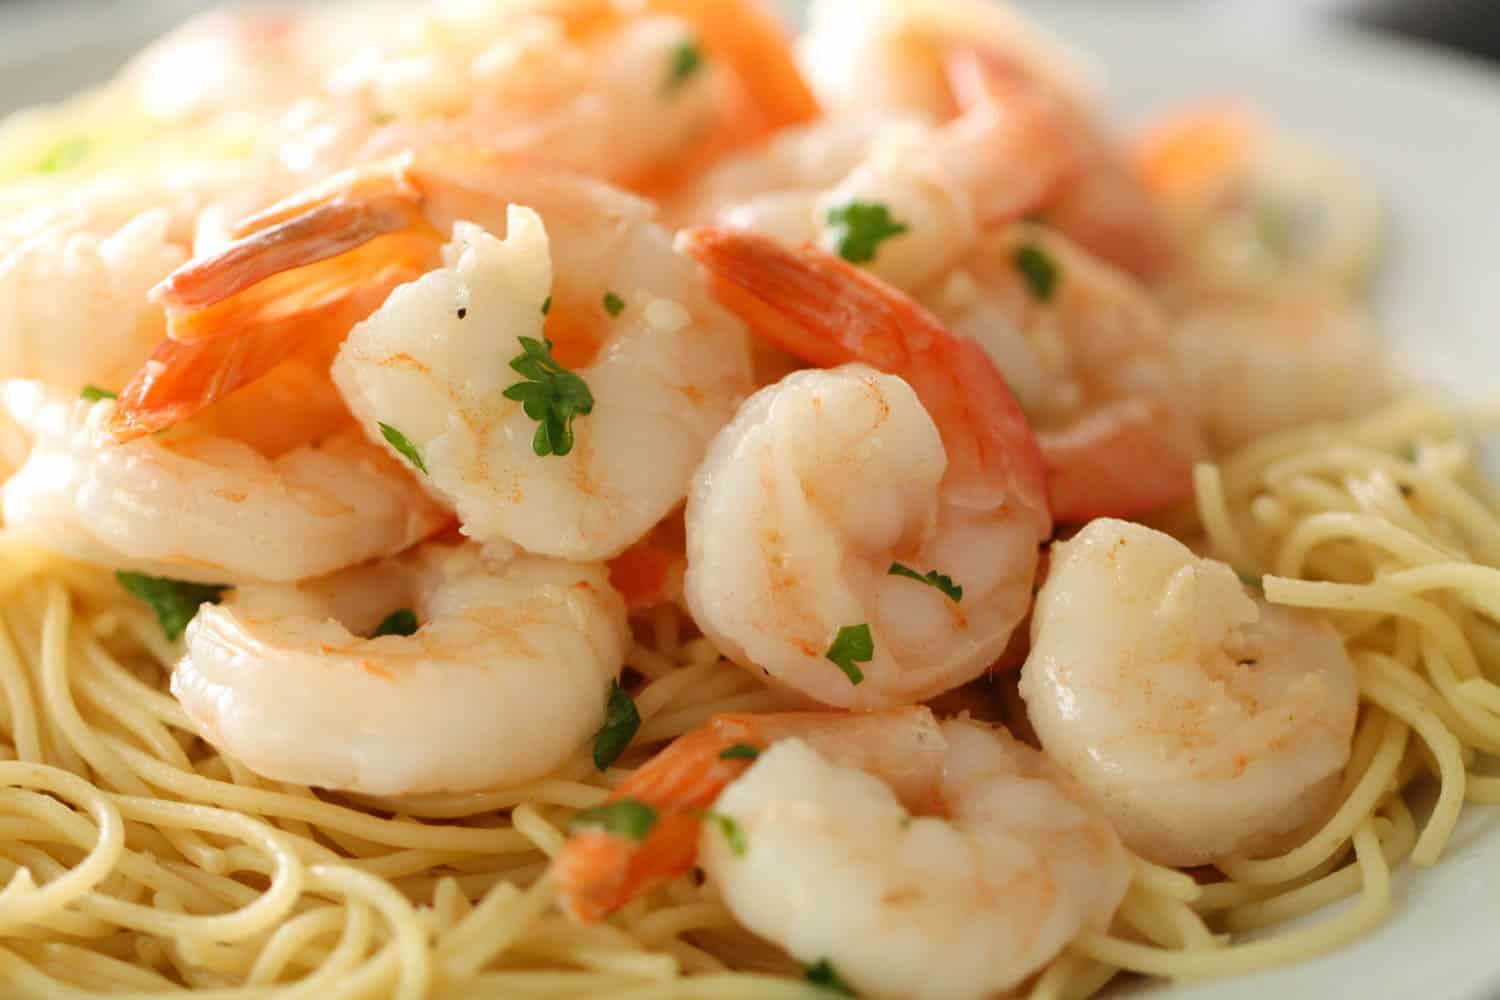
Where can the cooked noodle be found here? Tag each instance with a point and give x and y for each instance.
(140, 860)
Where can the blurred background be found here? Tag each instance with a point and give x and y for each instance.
(32, 32)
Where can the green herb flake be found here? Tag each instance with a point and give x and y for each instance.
(740, 751)
(823, 975)
(687, 60)
(932, 578)
(399, 441)
(630, 818)
(64, 156)
(621, 722)
(733, 833)
(174, 602)
(546, 305)
(1250, 580)
(860, 227)
(852, 645)
(1039, 270)
(552, 396)
(613, 304)
(402, 621)
(93, 394)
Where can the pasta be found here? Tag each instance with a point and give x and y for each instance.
(306, 600)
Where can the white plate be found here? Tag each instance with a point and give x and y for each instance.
(1425, 126)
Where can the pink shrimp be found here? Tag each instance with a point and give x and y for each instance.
(833, 495)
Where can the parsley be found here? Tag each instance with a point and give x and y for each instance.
(932, 578)
(546, 305)
(738, 843)
(65, 155)
(621, 721)
(406, 448)
(852, 645)
(93, 394)
(823, 975)
(613, 304)
(1250, 580)
(687, 60)
(175, 602)
(402, 621)
(630, 818)
(861, 226)
(1039, 270)
(552, 397)
(740, 751)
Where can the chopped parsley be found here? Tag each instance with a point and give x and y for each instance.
(402, 621)
(630, 818)
(621, 721)
(1039, 270)
(740, 751)
(65, 155)
(552, 396)
(932, 578)
(738, 843)
(546, 305)
(399, 441)
(613, 304)
(823, 975)
(174, 602)
(852, 645)
(93, 394)
(860, 227)
(1250, 580)
(687, 60)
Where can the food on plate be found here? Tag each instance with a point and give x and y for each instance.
(602, 497)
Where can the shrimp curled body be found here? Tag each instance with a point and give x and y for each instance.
(1205, 722)
(504, 679)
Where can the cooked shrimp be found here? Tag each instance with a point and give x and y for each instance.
(73, 309)
(1203, 721)
(919, 859)
(1255, 366)
(1256, 212)
(829, 480)
(936, 56)
(600, 872)
(664, 366)
(201, 506)
(1087, 353)
(505, 677)
(937, 189)
(641, 94)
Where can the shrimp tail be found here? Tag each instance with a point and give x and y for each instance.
(600, 871)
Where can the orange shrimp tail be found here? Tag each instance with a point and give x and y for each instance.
(827, 312)
(1190, 152)
(598, 872)
(303, 272)
(647, 574)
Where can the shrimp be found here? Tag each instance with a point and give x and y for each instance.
(504, 679)
(830, 489)
(1203, 721)
(663, 364)
(935, 57)
(1088, 354)
(1258, 213)
(644, 95)
(201, 506)
(1255, 366)
(920, 859)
